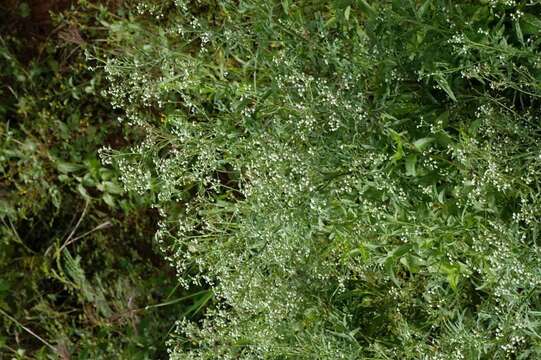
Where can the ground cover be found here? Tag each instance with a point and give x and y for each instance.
(342, 179)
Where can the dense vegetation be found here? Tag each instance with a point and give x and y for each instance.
(345, 179)
(77, 264)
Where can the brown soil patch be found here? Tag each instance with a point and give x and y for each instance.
(29, 21)
(34, 20)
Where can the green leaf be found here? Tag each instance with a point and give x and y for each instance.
(422, 144)
(389, 269)
(361, 250)
(67, 167)
(441, 196)
(24, 10)
(394, 257)
(453, 278)
(530, 24)
(199, 303)
(364, 6)
(443, 119)
(422, 9)
(401, 250)
(411, 162)
(518, 30)
(442, 82)
(111, 187)
(443, 138)
(399, 152)
(412, 263)
(109, 200)
(82, 191)
(285, 6)
(347, 12)
(452, 273)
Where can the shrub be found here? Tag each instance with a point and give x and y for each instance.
(347, 179)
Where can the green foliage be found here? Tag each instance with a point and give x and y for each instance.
(77, 267)
(351, 179)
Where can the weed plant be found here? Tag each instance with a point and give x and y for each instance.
(348, 179)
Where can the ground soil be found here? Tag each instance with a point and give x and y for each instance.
(37, 23)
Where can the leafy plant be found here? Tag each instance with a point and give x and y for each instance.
(77, 265)
(351, 179)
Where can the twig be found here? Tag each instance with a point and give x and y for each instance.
(16, 234)
(67, 241)
(99, 227)
(29, 331)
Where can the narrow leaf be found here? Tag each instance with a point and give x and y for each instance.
(442, 82)
(422, 143)
(347, 12)
(411, 162)
(66, 167)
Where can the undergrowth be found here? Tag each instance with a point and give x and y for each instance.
(343, 179)
(77, 264)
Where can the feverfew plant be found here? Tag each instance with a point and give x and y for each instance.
(340, 180)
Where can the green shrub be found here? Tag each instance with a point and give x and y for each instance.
(349, 179)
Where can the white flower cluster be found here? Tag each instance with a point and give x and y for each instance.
(281, 192)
